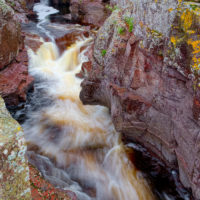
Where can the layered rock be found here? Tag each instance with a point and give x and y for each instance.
(145, 68)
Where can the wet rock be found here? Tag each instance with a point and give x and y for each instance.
(14, 173)
(15, 81)
(70, 37)
(32, 41)
(145, 68)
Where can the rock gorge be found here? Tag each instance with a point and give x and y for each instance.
(144, 66)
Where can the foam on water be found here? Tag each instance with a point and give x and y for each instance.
(78, 144)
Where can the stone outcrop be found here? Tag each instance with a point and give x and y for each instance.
(14, 172)
(14, 78)
(145, 68)
(89, 12)
(10, 35)
(15, 81)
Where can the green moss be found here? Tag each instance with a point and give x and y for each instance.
(121, 30)
(129, 22)
(111, 8)
(103, 52)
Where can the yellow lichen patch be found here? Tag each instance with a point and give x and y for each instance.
(173, 40)
(170, 10)
(195, 45)
(186, 19)
(196, 51)
(190, 32)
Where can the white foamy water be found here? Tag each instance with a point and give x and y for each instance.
(86, 153)
(43, 11)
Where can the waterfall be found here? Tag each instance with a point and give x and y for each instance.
(85, 153)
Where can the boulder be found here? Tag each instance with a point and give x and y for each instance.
(14, 172)
(15, 81)
(89, 12)
(10, 35)
(145, 68)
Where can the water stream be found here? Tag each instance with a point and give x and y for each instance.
(74, 146)
(80, 141)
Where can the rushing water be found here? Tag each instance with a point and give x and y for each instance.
(86, 153)
(43, 11)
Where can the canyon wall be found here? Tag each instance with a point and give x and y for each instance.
(145, 68)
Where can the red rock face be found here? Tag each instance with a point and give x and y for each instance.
(196, 108)
(10, 41)
(151, 101)
(14, 78)
(15, 81)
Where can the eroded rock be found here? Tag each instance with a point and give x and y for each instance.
(145, 68)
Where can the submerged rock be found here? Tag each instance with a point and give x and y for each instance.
(145, 68)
